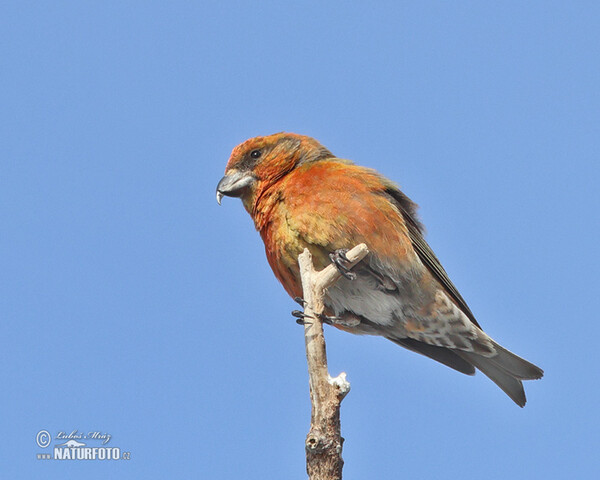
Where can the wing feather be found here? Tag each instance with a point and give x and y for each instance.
(415, 231)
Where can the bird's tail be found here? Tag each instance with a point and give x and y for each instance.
(506, 370)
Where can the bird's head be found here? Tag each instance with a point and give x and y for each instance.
(262, 161)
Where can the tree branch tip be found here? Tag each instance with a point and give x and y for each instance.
(340, 382)
(305, 254)
(357, 253)
(315, 442)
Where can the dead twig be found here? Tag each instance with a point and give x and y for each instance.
(324, 440)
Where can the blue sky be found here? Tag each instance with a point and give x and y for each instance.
(133, 305)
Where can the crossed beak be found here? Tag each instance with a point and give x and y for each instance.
(234, 184)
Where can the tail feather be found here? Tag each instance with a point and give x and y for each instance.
(514, 365)
(511, 385)
(506, 370)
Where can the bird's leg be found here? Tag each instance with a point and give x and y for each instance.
(330, 319)
(340, 259)
(344, 320)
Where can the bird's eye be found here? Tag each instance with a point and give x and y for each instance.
(255, 153)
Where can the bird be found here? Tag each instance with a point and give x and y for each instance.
(300, 195)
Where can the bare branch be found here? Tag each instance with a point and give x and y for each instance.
(324, 440)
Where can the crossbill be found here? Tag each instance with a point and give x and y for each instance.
(300, 195)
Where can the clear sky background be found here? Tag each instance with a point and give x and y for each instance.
(134, 305)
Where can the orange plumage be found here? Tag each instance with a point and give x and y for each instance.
(301, 196)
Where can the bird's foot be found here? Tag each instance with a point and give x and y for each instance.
(340, 260)
(301, 317)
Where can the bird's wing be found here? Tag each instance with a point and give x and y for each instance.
(415, 231)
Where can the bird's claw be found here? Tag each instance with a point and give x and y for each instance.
(339, 259)
(300, 301)
(301, 317)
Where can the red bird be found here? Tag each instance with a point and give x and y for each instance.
(301, 196)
